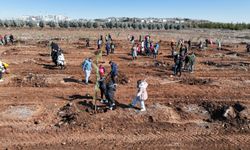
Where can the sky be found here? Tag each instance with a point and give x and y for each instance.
(213, 10)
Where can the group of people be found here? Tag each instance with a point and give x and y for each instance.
(109, 46)
(207, 42)
(144, 47)
(108, 83)
(57, 55)
(107, 87)
(4, 40)
(183, 60)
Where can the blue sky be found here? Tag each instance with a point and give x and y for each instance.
(214, 10)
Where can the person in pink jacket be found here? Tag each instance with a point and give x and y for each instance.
(142, 94)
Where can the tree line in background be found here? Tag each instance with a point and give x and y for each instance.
(121, 25)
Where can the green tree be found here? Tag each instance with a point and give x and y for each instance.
(140, 26)
(129, 25)
(103, 25)
(153, 26)
(158, 27)
(116, 25)
(120, 25)
(96, 25)
(7, 23)
(30, 24)
(149, 26)
(166, 26)
(41, 24)
(80, 24)
(1, 23)
(134, 25)
(89, 24)
(171, 26)
(52, 24)
(73, 24)
(124, 25)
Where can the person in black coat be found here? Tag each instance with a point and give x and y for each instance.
(12, 39)
(54, 52)
(109, 94)
(102, 86)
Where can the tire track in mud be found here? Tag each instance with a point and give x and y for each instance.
(201, 136)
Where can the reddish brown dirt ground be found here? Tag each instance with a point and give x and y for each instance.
(42, 107)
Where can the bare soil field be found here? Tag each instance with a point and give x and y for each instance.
(43, 107)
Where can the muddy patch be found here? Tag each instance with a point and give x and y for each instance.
(195, 81)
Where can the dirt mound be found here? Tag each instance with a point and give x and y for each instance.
(31, 80)
(228, 114)
(90, 108)
(121, 79)
(67, 115)
(195, 81)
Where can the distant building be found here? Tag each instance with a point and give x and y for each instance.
(55, 18)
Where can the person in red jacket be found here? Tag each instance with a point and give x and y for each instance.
(101, 71)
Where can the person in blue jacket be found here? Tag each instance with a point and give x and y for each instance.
(87, 67)
(114, 71)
